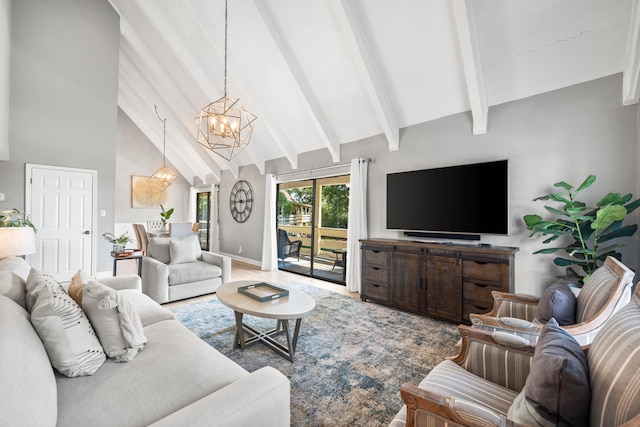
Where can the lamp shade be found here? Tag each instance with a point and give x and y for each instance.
(16, 241)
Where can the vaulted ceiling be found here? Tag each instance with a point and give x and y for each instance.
(321, 73)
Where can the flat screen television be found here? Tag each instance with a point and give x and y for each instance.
(470, 199)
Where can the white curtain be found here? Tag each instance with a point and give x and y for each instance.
(269, 240)
(357, 222)
(214, 242)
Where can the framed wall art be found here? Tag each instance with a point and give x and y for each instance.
(144, 195)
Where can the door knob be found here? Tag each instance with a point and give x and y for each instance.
(86, 232)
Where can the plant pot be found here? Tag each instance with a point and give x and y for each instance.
(118, 248)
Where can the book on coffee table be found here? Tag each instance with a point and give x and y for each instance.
(263, 291)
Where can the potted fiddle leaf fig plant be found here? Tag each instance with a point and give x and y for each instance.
(590, 233)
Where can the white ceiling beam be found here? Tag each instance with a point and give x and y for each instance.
(371, 78)
(311, 101)
(470, 51)
(185, 145)
(181, 52)
(631, 68)
(172, 98)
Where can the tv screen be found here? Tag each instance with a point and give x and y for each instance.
(458, 199)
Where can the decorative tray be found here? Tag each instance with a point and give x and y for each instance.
(127, 253)
(263, 291)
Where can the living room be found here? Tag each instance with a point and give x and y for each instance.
(62, 109)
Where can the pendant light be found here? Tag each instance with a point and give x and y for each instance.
(225, 126)
(164, 176)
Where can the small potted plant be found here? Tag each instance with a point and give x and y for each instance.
(165, 215)
(117, 242)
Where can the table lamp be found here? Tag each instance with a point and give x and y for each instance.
(16, 241)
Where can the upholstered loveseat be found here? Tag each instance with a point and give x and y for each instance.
(175, 379)
(500, 379)
(176, 268)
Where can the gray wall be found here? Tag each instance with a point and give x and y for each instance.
(136, 155)
(63, 97)
(561, 135)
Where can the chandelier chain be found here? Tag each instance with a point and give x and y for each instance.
(164, 135)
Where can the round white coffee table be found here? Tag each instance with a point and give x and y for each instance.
(294, 306)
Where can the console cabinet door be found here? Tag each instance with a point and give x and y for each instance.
(443, 276)
(405, 280)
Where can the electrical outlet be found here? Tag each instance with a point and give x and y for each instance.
(240, 250)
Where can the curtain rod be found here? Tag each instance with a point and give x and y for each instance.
(337, 165)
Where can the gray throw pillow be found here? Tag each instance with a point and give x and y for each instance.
(559, 302)
(184, 249)
(557, 389)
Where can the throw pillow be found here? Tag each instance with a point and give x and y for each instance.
(115, 320)
(158, 248)
(559, 302)
(36, 282)
(556, 391)
(65, 331)
(78, 282)
(184, 249)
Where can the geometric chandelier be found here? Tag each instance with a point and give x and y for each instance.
(163, 177)
(225, 126)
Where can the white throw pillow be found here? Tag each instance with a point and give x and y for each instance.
(115, 320)
(184, 249)
(35, 283)
(70, 341)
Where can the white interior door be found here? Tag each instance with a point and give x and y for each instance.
(61, 202)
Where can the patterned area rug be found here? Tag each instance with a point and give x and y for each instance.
(350, 360)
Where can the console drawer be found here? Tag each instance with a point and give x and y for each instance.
(485, 271)
(375, 273)
(479, 292)
(375, 257)
(374, 290)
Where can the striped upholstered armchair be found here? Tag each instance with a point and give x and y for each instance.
(500, 379)
(605, 291)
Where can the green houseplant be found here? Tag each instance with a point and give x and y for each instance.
(118, 242)
(588, 232)
(15, 218)
(165, 215)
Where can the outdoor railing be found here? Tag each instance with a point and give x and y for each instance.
(327, 239)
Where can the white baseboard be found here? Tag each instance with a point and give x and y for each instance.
(242, 259)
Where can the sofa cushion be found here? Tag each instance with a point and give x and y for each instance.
(158, 248)
(614, 368)
(115, 320)
(175, 369)
(559, 302)
(77, 284)
(149, 311)
(13, 277)
(192, 272)
(28, 386)
(36, 281)
(70, 341)
(450, 379)
(557, 389)
(184, 249)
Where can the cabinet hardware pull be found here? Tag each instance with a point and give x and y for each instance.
(480, 308)
(375, 268)
(481, 285)
(374, 285)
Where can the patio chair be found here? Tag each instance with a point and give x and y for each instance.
(287, 248)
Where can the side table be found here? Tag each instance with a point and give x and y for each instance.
(128, 255)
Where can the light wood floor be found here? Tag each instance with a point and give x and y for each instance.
(244, 271)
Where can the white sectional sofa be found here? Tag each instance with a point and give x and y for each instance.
(175, 380)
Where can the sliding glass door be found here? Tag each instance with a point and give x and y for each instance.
(203, 215)
(312, 227)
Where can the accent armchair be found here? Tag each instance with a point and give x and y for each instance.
(176, 268)
(500, 379)
(286, 247)
(605, 292)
